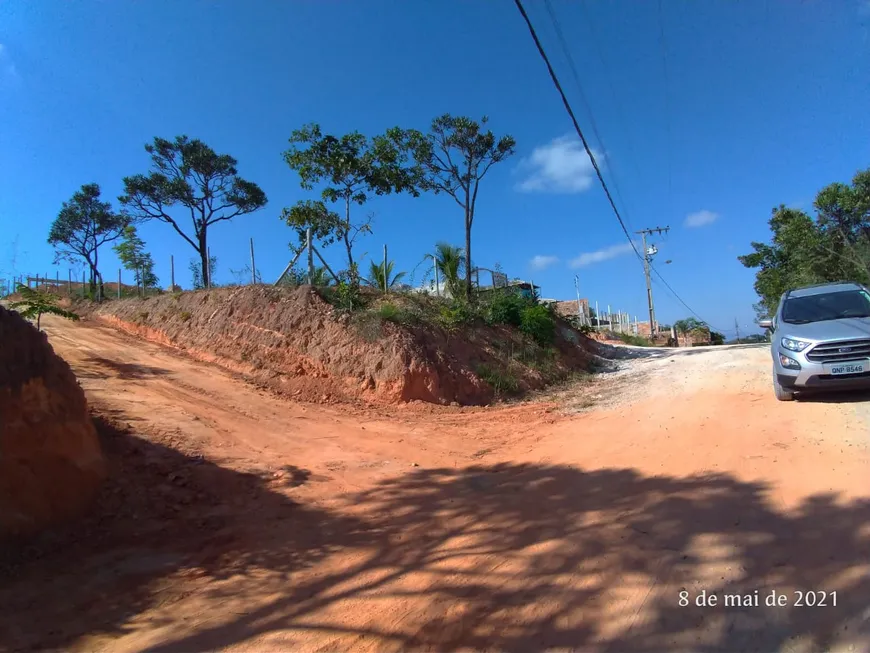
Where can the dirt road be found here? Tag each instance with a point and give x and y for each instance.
(239, 521)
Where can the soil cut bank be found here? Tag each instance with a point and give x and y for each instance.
(294, 342)
(50, 459)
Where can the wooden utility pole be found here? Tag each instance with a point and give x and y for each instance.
(437, 283)
(386, 283)
(647, 258)
(253, 265)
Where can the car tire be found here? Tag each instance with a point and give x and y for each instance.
(782, 394)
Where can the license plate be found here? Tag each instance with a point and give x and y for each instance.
(848, 368)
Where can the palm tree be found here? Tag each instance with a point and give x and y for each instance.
(450, 262)
(36, 302)
(378, 279)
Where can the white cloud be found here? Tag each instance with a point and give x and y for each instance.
(7, 68)
(604, 254)
(541, 262)
(701, 218)
(560, 166)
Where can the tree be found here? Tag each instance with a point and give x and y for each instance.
(384, 279)
(832, 247)
(717, 338)
(131, 252)
(690, 325)
(326, 226)
(454, 157)
(450, 262)
(352, 167)
(197, 279)
(188, 173)
(36, 303)
(790, 260)
(84, 224)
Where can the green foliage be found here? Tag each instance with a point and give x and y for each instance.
(690, 325)
(352, 168)
(505, 307)
(450, 263)
(455, 314)
(36, 303)
(833, 246)
(631, 339)
(131, 252)
(344, 295)
(379, 278)
(188, 173)
(195, 268)
(84, 224)
(537, 321)
(717, 338)
(453, 158)
(502, 381)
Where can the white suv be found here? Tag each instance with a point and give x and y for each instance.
(821, 339)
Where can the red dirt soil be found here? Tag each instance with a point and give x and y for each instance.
(50, 459)
(235, 520)
(294, 343)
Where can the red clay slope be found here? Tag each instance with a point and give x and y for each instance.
(295, 343)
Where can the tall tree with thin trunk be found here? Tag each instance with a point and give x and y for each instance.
(133, 256)
(188, 174)
(86, 223)
(455, 156)
(351, 168)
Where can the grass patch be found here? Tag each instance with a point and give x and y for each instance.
(631, 339)
(185, 316)
(502, 381)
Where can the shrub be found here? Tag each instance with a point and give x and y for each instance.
(631, 339)
(506, 308)
(455, 314)
(389, 312)
(537, 322)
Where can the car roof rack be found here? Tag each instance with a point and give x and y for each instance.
(824, 283)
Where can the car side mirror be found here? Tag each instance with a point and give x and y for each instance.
(766, 324)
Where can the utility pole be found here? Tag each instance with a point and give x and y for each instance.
(647, 258)
(579, 307)
(737, 329)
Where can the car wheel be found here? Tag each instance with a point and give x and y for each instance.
(781, 393)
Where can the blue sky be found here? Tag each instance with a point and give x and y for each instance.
(747, 105)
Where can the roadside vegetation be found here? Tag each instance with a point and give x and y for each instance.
(831, 244)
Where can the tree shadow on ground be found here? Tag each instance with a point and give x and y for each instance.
(161, 513)
(127, 371)
(529, 557)
(504, 557)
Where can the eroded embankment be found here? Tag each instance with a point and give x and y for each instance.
(294, 342)
(50, 459)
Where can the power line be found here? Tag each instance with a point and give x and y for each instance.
(667, 107)
(611, 87)
(570, 111)
(567, 52)
(576, 124)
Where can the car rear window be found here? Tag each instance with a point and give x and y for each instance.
(826, 306)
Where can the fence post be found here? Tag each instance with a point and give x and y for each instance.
(253, 264)
(207, 275)
(437, 282)
(83, 284)
(310, 257)
(386, 285)
(172, 272)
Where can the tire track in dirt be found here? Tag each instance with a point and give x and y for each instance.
(511, 528)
